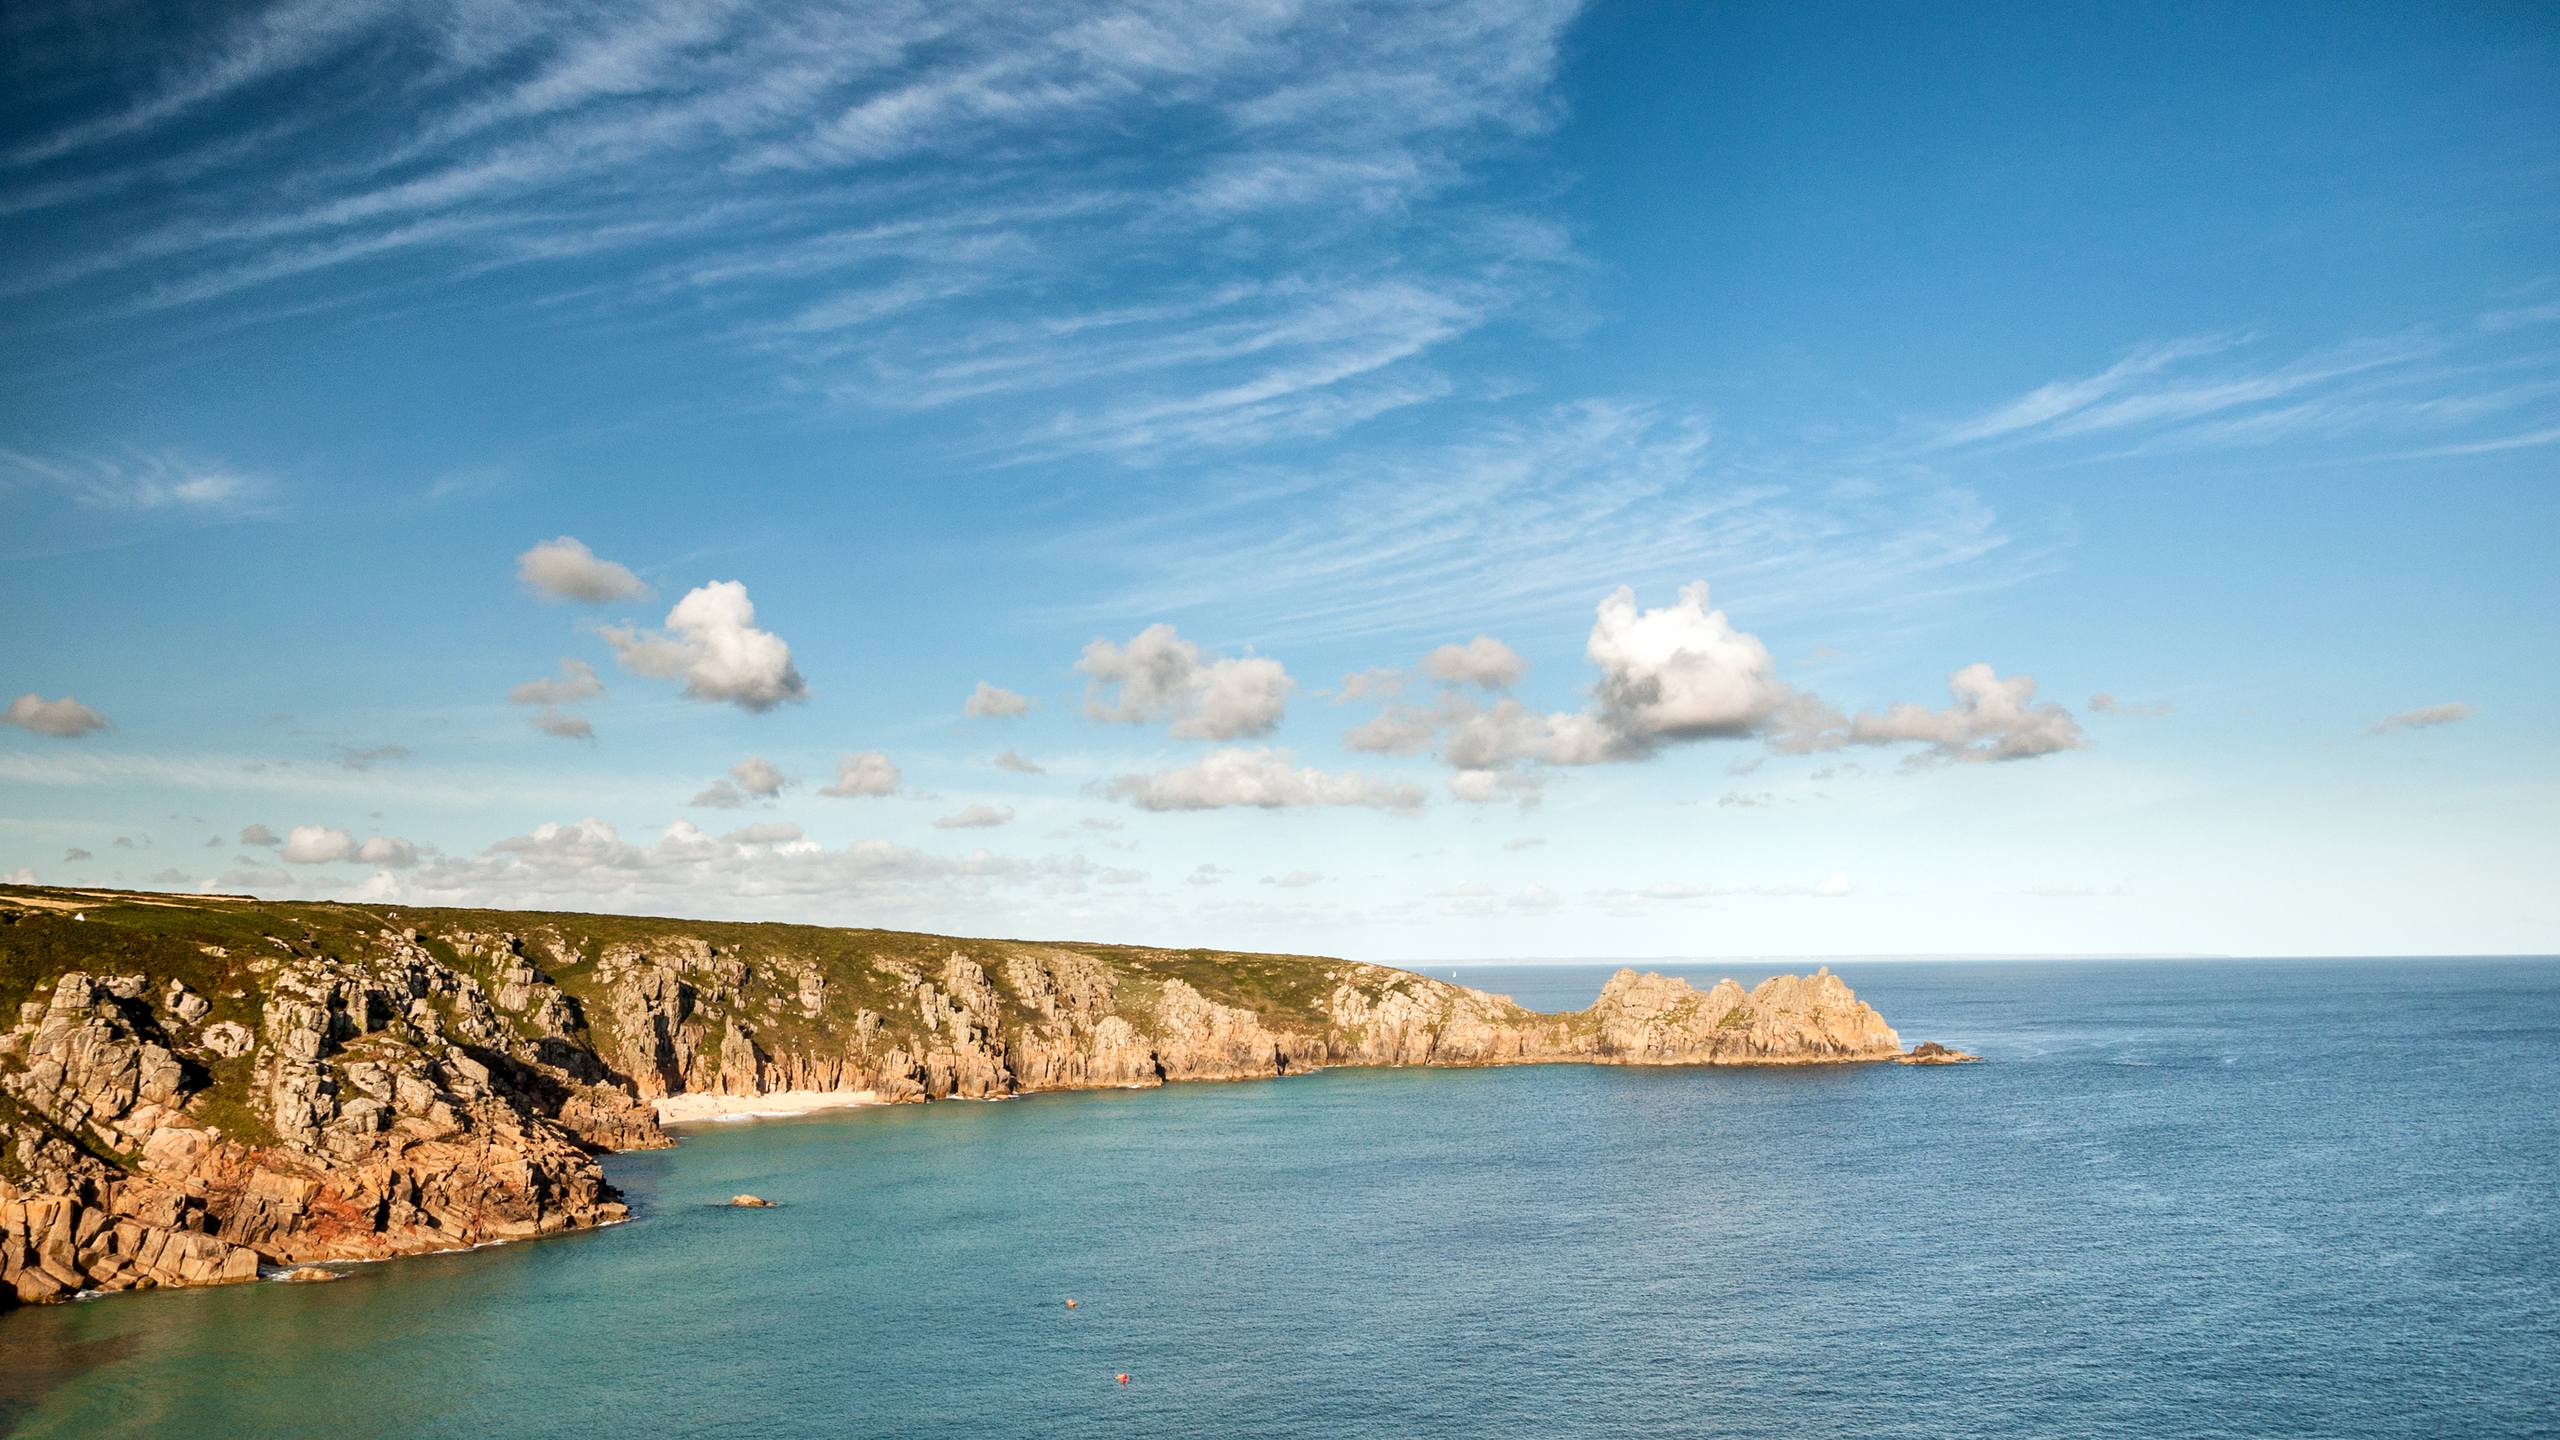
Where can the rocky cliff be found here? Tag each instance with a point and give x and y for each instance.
(193, 1087)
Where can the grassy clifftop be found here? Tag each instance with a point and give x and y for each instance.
(176, 937)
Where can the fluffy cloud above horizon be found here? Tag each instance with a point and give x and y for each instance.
(1159, 676)
(965, 440)
(565, 569)
(712, 644)
(1671, 676)
(64, 719)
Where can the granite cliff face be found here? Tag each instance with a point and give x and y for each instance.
(195, 1087)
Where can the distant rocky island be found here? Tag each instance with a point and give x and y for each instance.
(200, 1089)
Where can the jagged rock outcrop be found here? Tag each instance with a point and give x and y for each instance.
(1785, 1020)
(304, 1083)
(387, 1106)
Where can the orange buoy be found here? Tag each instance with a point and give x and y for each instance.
(1124, 1377)
(1071, 1304)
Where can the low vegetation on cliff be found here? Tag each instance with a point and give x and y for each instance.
(192, 1087)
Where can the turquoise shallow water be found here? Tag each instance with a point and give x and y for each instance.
(2292, 1198)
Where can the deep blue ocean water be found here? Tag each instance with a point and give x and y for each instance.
(2180, 1198)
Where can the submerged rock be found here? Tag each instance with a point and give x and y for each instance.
(750, 1202)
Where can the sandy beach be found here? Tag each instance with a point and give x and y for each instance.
(690, 1109)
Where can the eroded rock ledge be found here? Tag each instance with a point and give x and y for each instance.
(193, 1088)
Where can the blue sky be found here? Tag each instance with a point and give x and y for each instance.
(2117, 450)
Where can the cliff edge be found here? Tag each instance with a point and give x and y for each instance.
(193, 1087)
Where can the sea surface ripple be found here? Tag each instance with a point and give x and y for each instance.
(2205, 1199)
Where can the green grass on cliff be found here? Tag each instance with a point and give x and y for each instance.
(175, 937)
(124, 936)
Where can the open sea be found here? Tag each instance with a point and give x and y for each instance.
(2178, 1199)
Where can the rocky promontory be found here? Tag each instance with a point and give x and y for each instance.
(196, 1087)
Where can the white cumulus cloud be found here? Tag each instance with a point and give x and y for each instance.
(863, 773)
(316, 845)
(975, 817)
(758, 777)
(752, 779)
(577, 682)
(65, 718)
(712, 644)
(1990, 719)
(389, 851)
(1489, 787)
(1678, 673)
(565, 569)
(748, 780)
(1482, 661)
(994, 700)
(1681, 672)
(1159, 675)
(563, 725)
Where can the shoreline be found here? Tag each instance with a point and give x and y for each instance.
(701, 1107)
(696, 1108)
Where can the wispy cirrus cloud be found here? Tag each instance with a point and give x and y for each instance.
(2470, 390)
(136, 481)
(1529, 520)
(2058, 401)
(253, 50)
(1283, 202)
(2426, 717)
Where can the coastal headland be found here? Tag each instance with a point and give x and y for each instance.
(199, 1089)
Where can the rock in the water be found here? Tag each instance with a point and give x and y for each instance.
(1930, 1052)
(750, 1202)
(310, 1275)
